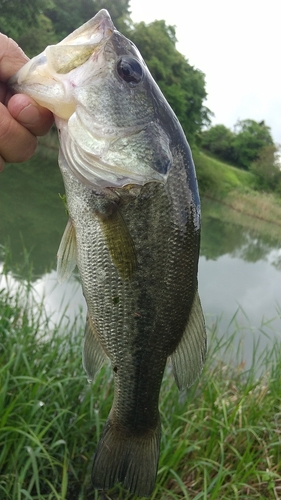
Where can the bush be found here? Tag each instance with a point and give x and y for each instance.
(219, 141)
(267, 170)
(250, 138)
(241, 147)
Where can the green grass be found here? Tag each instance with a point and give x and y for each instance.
(214, 176)
(220, 441)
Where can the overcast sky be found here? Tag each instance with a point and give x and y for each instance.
(237, 46)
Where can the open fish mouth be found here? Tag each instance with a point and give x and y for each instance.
(44, 76)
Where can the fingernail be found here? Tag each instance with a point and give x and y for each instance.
(29, 115)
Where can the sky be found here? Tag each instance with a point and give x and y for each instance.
(237, 45)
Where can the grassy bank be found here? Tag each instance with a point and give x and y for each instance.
(236, 189)
(221, 441)
(216, 177)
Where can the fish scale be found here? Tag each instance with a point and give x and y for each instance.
(133, 231)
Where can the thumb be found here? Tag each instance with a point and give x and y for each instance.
(31, 115)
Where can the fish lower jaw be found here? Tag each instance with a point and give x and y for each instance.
(59, 109)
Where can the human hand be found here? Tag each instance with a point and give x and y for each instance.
(21, 118)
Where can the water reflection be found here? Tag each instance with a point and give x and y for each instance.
(63, 302)
(230, 283)
(224, 231)
(32, 215)
(239, 277)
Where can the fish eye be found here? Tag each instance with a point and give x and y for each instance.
(130, 70)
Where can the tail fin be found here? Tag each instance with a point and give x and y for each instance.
(127, 458)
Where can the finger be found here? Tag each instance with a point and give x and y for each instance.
(12, 58)
(16, 142)
(2, 164)
(28, 113)
(3, 92)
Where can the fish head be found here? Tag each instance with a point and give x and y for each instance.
(112, 118)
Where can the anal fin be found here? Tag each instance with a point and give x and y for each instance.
(189, 356)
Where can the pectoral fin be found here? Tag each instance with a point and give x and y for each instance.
(66, 257)
(119, 242)
(189, 357)
(93, 355)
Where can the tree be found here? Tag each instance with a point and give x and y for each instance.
(34, 24)
(37, 37)
(16, 16)
(240, 147)
(219, 141)
(267, 169)
(67, 15)
(250, 138)
(182, 84)
(119, 11)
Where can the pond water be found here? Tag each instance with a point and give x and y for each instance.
(239, 268)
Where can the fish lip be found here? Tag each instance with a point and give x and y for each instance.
(105, 22)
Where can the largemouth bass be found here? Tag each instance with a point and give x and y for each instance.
(133, 230)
